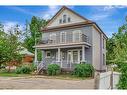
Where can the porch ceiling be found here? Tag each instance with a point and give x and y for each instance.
(69, 45)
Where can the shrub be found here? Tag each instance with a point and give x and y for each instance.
(33, 67)
(24, 69)
(53, 69)
(83, 70)
(123, 77)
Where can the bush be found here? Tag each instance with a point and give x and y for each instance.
(24, 69)
(53, 69)
(83, 70)
(123, 77)
(33, 67)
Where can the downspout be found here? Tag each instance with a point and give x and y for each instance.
(101, 51)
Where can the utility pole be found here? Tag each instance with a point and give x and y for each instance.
(35, 58)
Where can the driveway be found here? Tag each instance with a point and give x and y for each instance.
(44, 83)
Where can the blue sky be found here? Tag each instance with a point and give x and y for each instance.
(109, 18)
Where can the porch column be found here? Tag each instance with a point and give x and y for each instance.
(35, 56)
(59, 56)
(83, 53)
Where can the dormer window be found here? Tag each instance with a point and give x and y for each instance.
(69, 19)
(64, 18)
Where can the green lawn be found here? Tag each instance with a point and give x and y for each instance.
(12, 74)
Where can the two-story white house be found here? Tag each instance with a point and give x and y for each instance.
(70, 39)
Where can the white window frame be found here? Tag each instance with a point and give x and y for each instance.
(74, 37)
(53, 34)
(61, 37)
(47, 53)
(71, 51)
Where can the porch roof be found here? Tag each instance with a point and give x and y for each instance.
(67, 45)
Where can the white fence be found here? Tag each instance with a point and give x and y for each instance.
(107, 80)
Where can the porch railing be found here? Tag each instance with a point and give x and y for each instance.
(82, 38)
(63, 64)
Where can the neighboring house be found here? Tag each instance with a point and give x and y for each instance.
(28, 57)
(70, 39)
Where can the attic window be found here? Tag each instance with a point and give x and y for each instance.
(69, 19)
(64, 18)
(60, 21)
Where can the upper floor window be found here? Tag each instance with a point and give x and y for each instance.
(60, 21)
(64, 18)
(63, 37)
(103, 43)
(76, 36)
(53, 37)
(69, 19)
(103, 59)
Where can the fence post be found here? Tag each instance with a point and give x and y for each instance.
(96, 80)
(111, 78)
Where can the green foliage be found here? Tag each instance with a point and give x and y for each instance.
(33, 67)
(53, 69)
(123, 77)
(83, 70)
(24, 69)
(8, 46)
(117, 46)
(33, 34)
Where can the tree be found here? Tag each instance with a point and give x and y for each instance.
(9, 45)
(33, 34)
(117, 45)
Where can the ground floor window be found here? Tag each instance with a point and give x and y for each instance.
(48, 54)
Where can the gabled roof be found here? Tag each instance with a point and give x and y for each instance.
(61, 10)
(86, 21)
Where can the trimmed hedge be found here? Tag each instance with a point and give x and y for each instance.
(53, 69)
(83, 70)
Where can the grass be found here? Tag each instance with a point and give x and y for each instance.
(12, 74)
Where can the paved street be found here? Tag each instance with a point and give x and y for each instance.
(44, 83)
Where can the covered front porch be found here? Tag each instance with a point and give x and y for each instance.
(65, 57)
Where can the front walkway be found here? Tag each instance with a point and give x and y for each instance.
(44, 83)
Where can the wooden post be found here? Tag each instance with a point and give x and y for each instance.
(83, 53)
(58, 55)
(111, 78)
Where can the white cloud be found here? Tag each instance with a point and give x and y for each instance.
(99, 17)
(10, 24)
(19, 9)
(107, 8)
(50, 12)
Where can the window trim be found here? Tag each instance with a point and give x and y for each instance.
(104, 59)
(60, 21)
(74, 33)
(54, 39)
(61, 37)
(47, 53)
(64, 18)
(69, 19)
